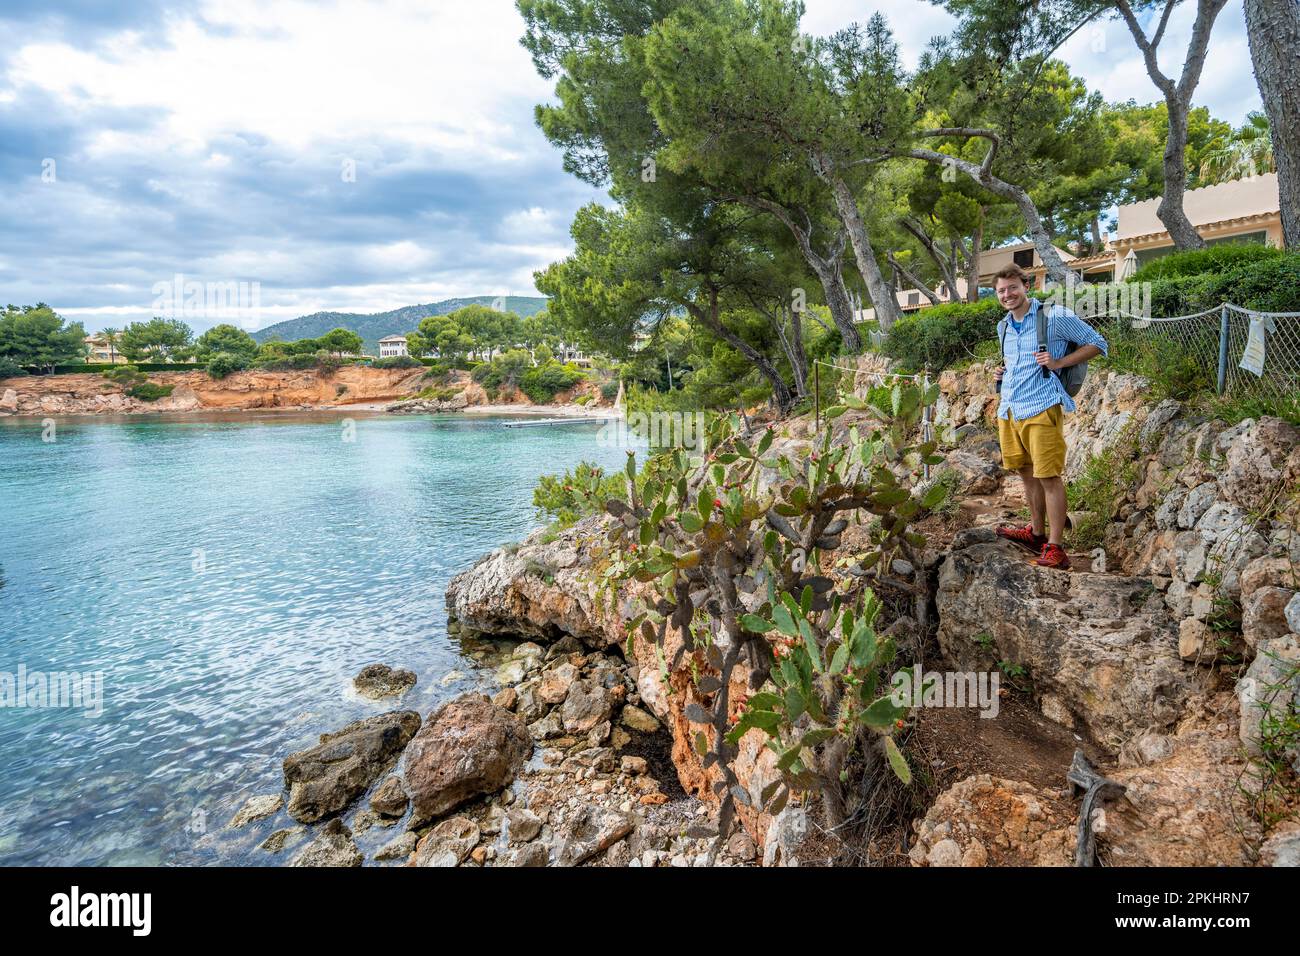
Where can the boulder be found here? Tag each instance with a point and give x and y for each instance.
(325, 779)
(556, 682)
(586, 705)
(389, 799)
(590, 831)
(333, 846)
(985, 820)
(447, 844)
(376, 681)
(1183, 810)
(1282, 848)
(1102, 645)
(1263, 615)
(466, 748)
(535, 591)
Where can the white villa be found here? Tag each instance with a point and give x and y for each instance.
(391, 346)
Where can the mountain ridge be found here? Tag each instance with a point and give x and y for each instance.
(375, 325)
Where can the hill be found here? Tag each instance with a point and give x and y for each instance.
(375, 326)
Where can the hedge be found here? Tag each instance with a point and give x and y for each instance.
(1250, 276)
(91, 367)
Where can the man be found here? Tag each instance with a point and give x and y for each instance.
(1031, 426)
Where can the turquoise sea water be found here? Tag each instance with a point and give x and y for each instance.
(228, 575)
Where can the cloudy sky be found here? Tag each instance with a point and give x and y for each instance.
(352, 156)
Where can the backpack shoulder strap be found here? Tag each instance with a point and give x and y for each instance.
(1040, 316)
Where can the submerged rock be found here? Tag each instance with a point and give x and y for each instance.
(325, 779)
(256, 808)
(376, 681)
(467, 747)
(389, 799)
(333, 846)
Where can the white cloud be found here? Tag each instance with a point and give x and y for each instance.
(436, 76)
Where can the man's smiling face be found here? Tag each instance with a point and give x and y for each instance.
(1011, 293)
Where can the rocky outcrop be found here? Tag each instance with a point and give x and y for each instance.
(92, 394)
(467, 747)
(1184, 808)
(537, 590)
(1133, 658)
(324, 780)
(430, 406)
(1100, 650)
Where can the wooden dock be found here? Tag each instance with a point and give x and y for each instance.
(559, 421)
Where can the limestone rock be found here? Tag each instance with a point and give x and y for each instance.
(586, 705)
(1103, 645)
(1180, 810)
(376, 681)
(986, 820)
(592, 830)
(466, 748)
(333, 846)
(389, 799)
(1264, 615)
(325, 779)
(447, 844)
(1269, 686)
(1282, 848)
(256, 808)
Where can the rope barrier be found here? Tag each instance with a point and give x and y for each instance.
(878, 376)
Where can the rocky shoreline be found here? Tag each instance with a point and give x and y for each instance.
(561, 767)
(349, 388)
(584, 755)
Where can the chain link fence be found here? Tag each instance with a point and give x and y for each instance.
(1206, 351)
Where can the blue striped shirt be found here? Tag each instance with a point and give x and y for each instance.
(1025, 392)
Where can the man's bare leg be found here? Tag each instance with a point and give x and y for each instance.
(1053, 490)
(1034, 498)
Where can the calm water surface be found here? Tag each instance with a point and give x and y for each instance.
(229, 575)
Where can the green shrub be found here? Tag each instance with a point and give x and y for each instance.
(583, 399)
(222, 364)
(397, 361)
(149, 391)
(1211, 259)
(941, 336)
(504, 371)
(9, 368)
(609, 391)
(567, 498)
(543, 382)
(125, 375)
(321, 360)
(1105, 481)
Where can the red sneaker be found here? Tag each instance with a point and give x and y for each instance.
(1054, 556)
(1025, 537)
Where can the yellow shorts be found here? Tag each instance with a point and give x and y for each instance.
(1037, 441)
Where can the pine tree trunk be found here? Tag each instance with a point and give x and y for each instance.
(884, 303)
(973, 267)
(1273, 28)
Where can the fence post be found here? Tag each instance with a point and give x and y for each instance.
(1223, 349)
(817, 396)
(926, 430)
